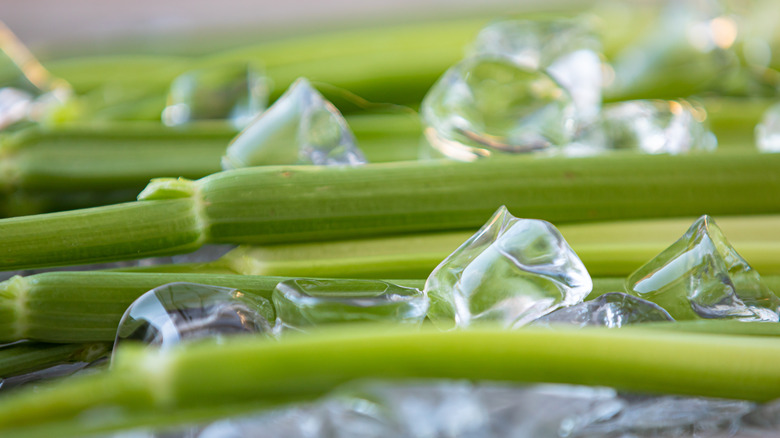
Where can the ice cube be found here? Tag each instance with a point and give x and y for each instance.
(483, 106)
(702, 276)
(510, 272)
(768, 131)
(301, 127)
(301, 304)
(656, 127)
(566, 49)
(169, 314)
(614, 309)
(236, 92)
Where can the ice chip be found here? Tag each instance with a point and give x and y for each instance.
(510, 272)
(656, 127)
(301, 304)
(768, 131)
(614, 309)
(702, 276)
(235, 92)
(483, 106)
(169, 314)
(301, 127)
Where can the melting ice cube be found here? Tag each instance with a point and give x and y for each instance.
(656, 127)
(174, 312)
(302, 127)
(302, 303)
(510, 272)
(702, 276)
(236, 92)
(614, 309)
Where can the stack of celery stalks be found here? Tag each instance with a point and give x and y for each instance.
(69, 183)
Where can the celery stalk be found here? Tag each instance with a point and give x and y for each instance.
(607, 249)
(249, 371)
(85, 166)
(304, 203)
(87, 306)
(25, 357)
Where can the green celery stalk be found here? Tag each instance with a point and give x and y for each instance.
(606, 248)
(304, 203)
(87, 306)
(247, 371)
(382, 64)
(25, 357)
(85, 166)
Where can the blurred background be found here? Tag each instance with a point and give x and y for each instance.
(55, 28)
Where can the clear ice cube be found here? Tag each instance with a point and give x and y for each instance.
(301, 127)
(172, 313)
(566, 49)
(656, 127)
(614, 309)
(510, 272)
(301, 303)
(702, 276)
(235, 92)
(768, 131)
(483, 106)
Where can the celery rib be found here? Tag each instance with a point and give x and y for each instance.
(87, 306)
(606, 248)
(306, 203)
(237, 372)
(25, 357)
